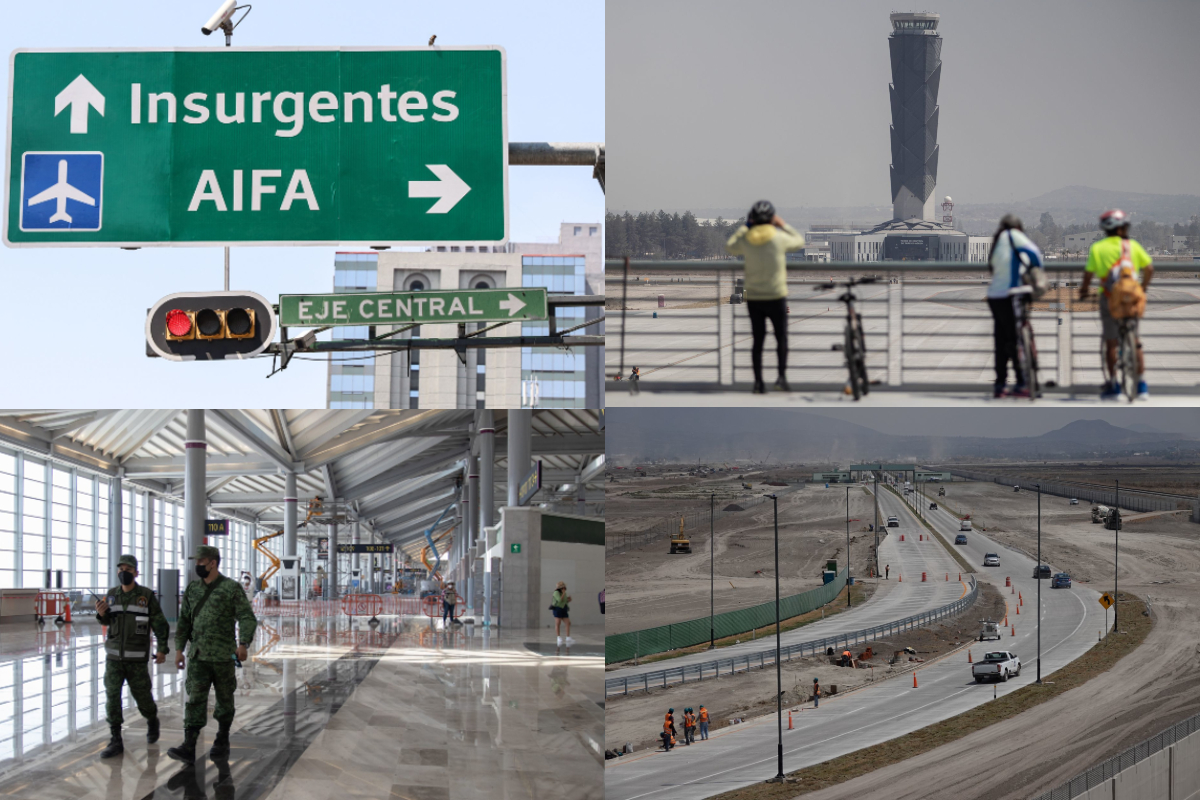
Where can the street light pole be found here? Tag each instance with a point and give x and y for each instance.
(1039, 586)
(712, 556)
(1117, 559)
(847, 547)
(778, 665)
(877, 524)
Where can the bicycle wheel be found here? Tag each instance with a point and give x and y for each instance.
(1127, 361)
(851, 348)
(860, 351)
(1027, 356)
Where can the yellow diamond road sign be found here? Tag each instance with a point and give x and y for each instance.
(1106, 600)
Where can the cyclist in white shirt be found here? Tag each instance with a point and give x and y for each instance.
(1012, 253)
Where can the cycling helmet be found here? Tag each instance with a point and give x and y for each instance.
(1113, 219)
(761, 213)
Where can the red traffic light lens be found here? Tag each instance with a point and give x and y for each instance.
(178, 322)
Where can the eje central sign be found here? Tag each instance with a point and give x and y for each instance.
(282, 146)
(397, 308)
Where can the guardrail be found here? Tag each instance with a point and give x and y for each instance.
(1131, 499)
(724, 666)
(1108, 770)
(927, 327)
(696, 520)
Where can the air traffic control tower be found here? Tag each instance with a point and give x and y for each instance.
(916, 50)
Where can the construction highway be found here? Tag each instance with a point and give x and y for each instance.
(745, 754)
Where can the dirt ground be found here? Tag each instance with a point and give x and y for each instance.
(647, 586)
(1154, 687)
(1174, 478)
(637, 718)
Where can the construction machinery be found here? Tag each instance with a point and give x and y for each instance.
(273, 561)
(1100, 513)
(680, 543)
(748, 486)
(941, 491)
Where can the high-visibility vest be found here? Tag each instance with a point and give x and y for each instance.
(704, 715)
(689, 720)
(667, 725)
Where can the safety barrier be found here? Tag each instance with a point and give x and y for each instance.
(763, 658)
(362, 605)
(431, 606)
(927, 327)
(51, 604)
(636, 644)
(1111, 769)
(1131, 499)
(695, 520)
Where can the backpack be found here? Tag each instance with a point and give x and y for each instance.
(1033, 276)
(1126, 297)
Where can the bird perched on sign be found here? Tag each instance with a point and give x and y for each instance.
(431, 38)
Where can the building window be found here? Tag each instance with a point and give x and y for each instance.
(592, 230)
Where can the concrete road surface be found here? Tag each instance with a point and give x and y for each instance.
(894, 599)
(745, 754)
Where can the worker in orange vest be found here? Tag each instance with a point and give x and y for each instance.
(668, 732)
(847, 660)
(816, 693)
(689, 726)
(702, 718)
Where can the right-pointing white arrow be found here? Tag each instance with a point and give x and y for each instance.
(79, 94)
(449, 188)
(513, 304)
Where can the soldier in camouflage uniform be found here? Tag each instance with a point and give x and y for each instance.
(130, 612)
(210, 608)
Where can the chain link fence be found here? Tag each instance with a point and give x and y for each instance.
(1109, 769)
(1131, 499)
(724, 666)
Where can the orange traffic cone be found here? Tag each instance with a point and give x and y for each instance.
(1014, 590)
(1014, 630)
(947, 576)
(68, 613)
(1006, 620)
(922, 577)
(914, 680)
(1008, 581)
(960, 577)
(969, 655)
(789, 719)
(1018, 611)
(899, 579)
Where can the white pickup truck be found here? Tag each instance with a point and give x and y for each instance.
(1000, 665)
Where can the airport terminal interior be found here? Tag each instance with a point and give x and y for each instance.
(352, 534)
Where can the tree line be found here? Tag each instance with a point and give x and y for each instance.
(662, 235)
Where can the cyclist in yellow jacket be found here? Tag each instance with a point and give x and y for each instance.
(763, 242)
(1102, 257)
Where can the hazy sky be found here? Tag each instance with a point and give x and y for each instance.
(71, 321)
(1006, 422)
(716, 104)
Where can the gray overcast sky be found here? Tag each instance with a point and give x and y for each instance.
(716, 104)
(1006, 422)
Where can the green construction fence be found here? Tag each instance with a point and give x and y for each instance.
(647, 642)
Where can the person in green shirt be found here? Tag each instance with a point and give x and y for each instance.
(1102, 257)
(211, 606)
(763, 242)
(131, 612)
(561, 609)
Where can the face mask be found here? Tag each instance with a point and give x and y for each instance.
(125, 577)
(202, 571)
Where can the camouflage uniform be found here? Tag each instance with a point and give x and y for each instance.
(213, 646)
(130, 618)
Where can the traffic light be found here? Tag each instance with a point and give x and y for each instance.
(209, 326)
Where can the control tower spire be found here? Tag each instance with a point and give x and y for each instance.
(916, 50)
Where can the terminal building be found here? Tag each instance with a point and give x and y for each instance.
(915, 233)
(528, 377)
(345, 529)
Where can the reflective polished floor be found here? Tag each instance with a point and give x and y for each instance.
(327, 707)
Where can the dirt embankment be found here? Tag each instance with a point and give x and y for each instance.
(637, 718)
(648, 586)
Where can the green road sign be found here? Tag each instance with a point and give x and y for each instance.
(515, 547)
(394, 308)
(194, 146)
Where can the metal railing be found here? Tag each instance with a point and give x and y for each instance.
(1107, 770)
(927, 327)
(695, 521)
(660, 679)
(1131, 499)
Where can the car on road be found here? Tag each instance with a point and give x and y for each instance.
(1000, 665)
(1042, 571)
(893, 522)
(933, 506)
(960, 539)
(1074, 501)
(1060, 581)
(991, 560)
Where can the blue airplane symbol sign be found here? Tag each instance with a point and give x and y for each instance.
(61, 191)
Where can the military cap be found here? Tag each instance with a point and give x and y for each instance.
(207, 551)
(127, 559)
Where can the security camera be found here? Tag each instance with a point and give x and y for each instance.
(220, 18)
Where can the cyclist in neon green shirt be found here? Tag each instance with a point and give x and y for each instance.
(1102, 256)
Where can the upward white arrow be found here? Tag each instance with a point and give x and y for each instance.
(79, 94)
(513, 304)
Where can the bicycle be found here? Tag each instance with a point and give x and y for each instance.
(855, 344)
(1027, 366)
(1127, 360)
